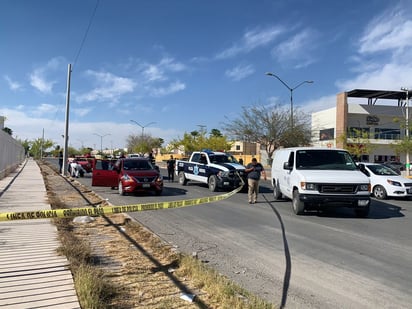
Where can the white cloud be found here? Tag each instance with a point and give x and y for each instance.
(158, 72)
(298, 47)
(39, 78)
(81, 112)
(390, 31)
(240, 72)
(388, 77)
(110, 87)
(384, 60)
(153, 73)
(45, 109)
(163, 91)
(319, 104)
(171, 65)
(38, 81)
(251, 40)
(80, 133)
(12, 84)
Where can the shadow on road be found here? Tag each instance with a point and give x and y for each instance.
(288, 260)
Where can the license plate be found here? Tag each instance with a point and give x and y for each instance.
(146, 185)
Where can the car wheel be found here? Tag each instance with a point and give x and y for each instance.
(362, 212)
(297, 205)
(120, 188)
(212, 183)
(379, 192)
(182, 179)
(276, 192)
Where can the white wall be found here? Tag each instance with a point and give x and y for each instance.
(11, 154)
(325, 119)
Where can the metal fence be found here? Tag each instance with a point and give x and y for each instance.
(11, 154)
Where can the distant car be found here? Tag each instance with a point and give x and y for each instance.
(86, 163)
(398, 167)
(385, 182)
(133, 155)
(129, 175)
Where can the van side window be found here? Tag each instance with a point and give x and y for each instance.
(291, 159)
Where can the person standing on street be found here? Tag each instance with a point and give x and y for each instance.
(171, 164)
(60, 161)
(254, 171)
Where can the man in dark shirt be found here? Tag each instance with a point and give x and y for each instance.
(254, 171)
(171, 163)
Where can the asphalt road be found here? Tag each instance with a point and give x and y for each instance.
(319, 260)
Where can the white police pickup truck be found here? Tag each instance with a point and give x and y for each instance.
(218, 170)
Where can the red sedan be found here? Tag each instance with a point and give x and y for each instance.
(129, 175)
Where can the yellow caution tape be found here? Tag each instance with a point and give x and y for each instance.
(100, 211)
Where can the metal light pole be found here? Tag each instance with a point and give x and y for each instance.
(407, 164)
(146, 125)
(101, 141)
(291, 93)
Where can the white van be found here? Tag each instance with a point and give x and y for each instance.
(314, 177)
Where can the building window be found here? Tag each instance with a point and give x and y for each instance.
(357, 132)
(237, 147)
(382, 133)
(326, 134)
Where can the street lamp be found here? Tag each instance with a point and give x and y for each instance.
(146, 125)
(101, 141)
(407, 165)
(291, 93)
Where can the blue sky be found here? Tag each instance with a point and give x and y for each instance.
(183, 64)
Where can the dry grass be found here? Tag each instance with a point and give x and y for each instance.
(117, 263)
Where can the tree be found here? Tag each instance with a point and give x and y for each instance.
(197, 140)
(26, 145)
(357, 144)
(405, 145)
(270, 127)
(38, 146)
(143, 143)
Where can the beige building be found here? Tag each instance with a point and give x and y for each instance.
(380, 115)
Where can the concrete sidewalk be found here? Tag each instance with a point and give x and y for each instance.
(32, 274)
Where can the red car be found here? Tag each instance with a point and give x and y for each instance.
(86, 163)
(129, 175)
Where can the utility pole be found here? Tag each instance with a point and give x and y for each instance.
(66, 131)
(407, 163)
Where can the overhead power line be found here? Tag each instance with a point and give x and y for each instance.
(86, 33)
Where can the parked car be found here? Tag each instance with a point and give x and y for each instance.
(129, 175)
(385, 182)
(86, 163)
(398, 167)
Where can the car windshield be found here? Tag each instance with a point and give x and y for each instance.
(137, 165)
(324, 160)
(222, 159)
(381, 170)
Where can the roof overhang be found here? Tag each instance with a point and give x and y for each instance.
(374, 95)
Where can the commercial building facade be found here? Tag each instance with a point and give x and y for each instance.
(377, 117)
